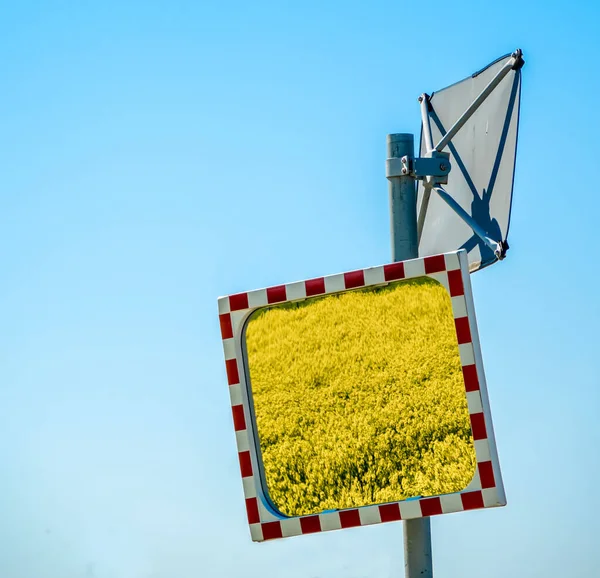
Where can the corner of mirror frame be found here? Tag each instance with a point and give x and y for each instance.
(485, 490)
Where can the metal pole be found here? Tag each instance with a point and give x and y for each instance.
(403, 201)
(403, 213)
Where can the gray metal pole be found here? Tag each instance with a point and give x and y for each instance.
(403, 201)
(403, 213)
(417, 548)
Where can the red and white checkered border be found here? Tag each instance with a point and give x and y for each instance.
(486, 488)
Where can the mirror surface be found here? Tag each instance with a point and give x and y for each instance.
(359, 398)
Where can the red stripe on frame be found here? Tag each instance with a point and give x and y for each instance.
(431, 506)
(455, 283)
(393, 271)
(226, 327)
(233, 375)
(354, 279)
(435, 264)
(349, 518)
(252, 511)
(245, 464)
(471, 379)
(271, 530)
(239, 301)
(310, 524)
(472, 500)
(239, 421)
(390, 513)
(478, 426)
(486, 475)
(315, 287)
(463, 331)
(276, 294)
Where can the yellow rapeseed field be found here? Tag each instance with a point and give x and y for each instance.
(359, 398)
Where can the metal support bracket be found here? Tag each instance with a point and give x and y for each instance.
(433, 168)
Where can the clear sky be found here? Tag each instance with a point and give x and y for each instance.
(155, 155)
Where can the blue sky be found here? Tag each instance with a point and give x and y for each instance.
(156, 155)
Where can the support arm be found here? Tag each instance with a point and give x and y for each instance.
(424, 100)
(498, 247)
(514, 62)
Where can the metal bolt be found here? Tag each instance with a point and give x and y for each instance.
(403, 171)
(443, 167)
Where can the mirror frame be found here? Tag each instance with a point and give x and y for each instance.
(485, 490)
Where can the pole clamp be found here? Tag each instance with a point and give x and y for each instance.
(434, 167)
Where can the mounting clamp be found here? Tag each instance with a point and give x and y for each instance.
(434, 167)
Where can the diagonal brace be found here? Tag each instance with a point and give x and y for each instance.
(498, 247)
(515, 62)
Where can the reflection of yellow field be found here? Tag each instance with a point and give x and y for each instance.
(359, 398)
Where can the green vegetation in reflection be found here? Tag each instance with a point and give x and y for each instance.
(359, 398)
